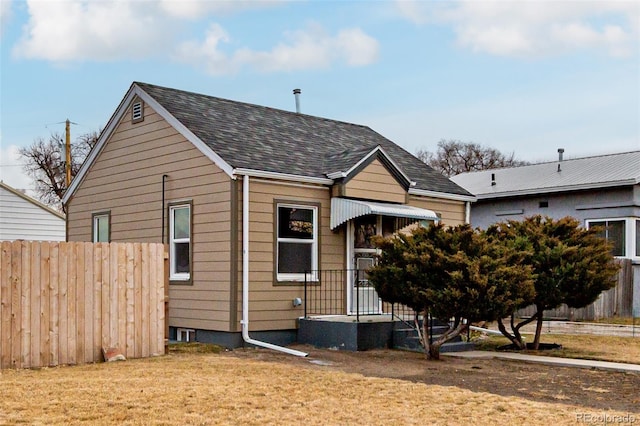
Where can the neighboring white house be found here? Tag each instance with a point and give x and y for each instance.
(23, 218)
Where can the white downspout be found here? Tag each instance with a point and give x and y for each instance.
(467, 212)
(245, 278)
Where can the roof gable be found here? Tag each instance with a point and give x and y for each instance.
(241, 138)
(352, 168)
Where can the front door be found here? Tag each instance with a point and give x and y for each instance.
(363, 297)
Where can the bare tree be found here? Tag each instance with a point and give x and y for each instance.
(45, 163)
(454, 157)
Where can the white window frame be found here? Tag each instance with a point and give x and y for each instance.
(314, 244)
(629, 234)
(96, 228)
(173, 275)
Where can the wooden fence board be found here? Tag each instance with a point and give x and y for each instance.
(25, 322)
(80, 305)
(137, 288)
(97, 301)
(72, 302)
(130, 297)
(145, 300)
(153, 301)
(54, 313)
(16, 303)
(61, 303)
(63, 288)
(36, 296)
(617, 301)
(44, 305)
(5, 304)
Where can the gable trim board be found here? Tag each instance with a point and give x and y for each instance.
(435, 194)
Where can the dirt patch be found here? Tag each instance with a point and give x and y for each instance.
(595, 389)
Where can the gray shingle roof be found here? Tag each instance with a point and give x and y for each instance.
(575, 174)
(261, 138)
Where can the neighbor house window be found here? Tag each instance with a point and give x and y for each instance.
(101, 225)
(614, 232)
(180, 242)
(297, 241)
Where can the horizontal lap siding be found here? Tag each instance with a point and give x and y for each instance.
(270, 304)
(452, 212)
(126, 179)
(23, 220)
(375, 182)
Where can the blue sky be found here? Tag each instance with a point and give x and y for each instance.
(523, 77)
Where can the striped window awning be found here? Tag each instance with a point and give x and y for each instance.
(344, 210)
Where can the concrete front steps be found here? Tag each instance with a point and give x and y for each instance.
(406, 338)
(370, 332)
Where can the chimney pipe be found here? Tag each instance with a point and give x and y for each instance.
(560, 152)
(493, 179)
(296, 93)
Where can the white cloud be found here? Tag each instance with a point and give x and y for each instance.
(82, 30)
(311, 48)
(195, 9)
(11, 171)
(100, 31)
(5, 14)
(534, 28)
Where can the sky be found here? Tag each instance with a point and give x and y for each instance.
(524, 77)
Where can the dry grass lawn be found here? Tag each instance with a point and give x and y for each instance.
(585, 346)
(210, 388)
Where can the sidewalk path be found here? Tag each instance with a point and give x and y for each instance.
(549, 360)
(572, 327)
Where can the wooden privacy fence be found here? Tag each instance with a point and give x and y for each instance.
(61, 303)
(617, 301)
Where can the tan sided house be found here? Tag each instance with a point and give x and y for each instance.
(252, 202)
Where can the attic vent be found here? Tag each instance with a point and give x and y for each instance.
(137, 112)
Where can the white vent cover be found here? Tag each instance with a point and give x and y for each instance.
(136, 112)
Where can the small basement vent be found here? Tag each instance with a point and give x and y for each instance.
(186, 335)
(137, 112)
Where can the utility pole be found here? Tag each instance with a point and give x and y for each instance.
(67, 151)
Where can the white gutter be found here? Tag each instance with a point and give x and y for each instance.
(551, 190)
(245, 278)
(442, 195)
(282, 176)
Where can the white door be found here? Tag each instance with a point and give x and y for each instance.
(363, 297)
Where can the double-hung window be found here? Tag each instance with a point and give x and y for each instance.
(101, 225)
(180, 242)
(297, 241)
